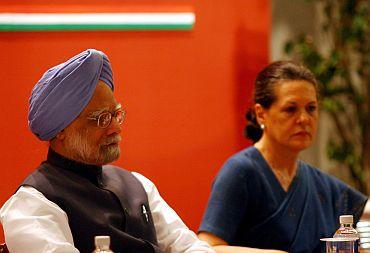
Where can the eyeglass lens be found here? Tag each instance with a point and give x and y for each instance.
(106, 118)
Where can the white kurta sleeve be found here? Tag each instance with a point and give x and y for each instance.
(172, 234)
(33, 224)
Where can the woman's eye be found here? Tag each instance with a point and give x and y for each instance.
(290, 109)
(312, 108)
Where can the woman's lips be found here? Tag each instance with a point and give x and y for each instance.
(302, 133)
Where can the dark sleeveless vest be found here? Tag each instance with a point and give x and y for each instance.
(98, 201)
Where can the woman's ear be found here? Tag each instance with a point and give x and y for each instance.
(260, 114)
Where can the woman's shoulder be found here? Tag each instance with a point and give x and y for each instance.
(243, 162)
(346, 198)
(313, 171)
(243, 157)
(319, 176)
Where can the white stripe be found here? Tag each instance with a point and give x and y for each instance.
(98, 18)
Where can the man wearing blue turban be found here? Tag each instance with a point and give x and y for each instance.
(74, 195)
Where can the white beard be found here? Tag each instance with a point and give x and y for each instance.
(81, 148)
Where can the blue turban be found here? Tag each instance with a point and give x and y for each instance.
(65, 90)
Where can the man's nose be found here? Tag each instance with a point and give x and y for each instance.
(115, 127)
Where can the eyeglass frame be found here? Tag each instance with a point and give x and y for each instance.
(112, 115)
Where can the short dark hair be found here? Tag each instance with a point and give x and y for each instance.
(264, 93)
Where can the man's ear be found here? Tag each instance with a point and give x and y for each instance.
(260, 114)
(61, 135)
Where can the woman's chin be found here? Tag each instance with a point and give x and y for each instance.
(300, 145)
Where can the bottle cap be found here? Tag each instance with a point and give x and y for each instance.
(346, 219)
(102, 242)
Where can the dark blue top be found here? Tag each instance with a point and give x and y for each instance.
(249, 207)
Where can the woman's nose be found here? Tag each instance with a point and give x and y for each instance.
(303, 117)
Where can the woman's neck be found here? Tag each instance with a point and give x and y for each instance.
(278, 157)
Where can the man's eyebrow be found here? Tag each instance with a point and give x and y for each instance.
(105, 109)
(98, 112)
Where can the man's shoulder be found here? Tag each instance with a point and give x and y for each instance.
(36, 173)
(119, 170)
(114, 171)
(118, 173)
(114, 168)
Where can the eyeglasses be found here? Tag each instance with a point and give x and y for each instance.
(104, 119)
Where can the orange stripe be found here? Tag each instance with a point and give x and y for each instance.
(52, 8)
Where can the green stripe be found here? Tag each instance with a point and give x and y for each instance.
(91, 27)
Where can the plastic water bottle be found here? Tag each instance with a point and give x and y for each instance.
(102, 244)
(346, 230)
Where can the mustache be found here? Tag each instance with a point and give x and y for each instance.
(112, 139)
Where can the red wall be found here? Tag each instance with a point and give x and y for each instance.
(185, 91)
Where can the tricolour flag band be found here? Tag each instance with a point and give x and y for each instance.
(96, 21)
